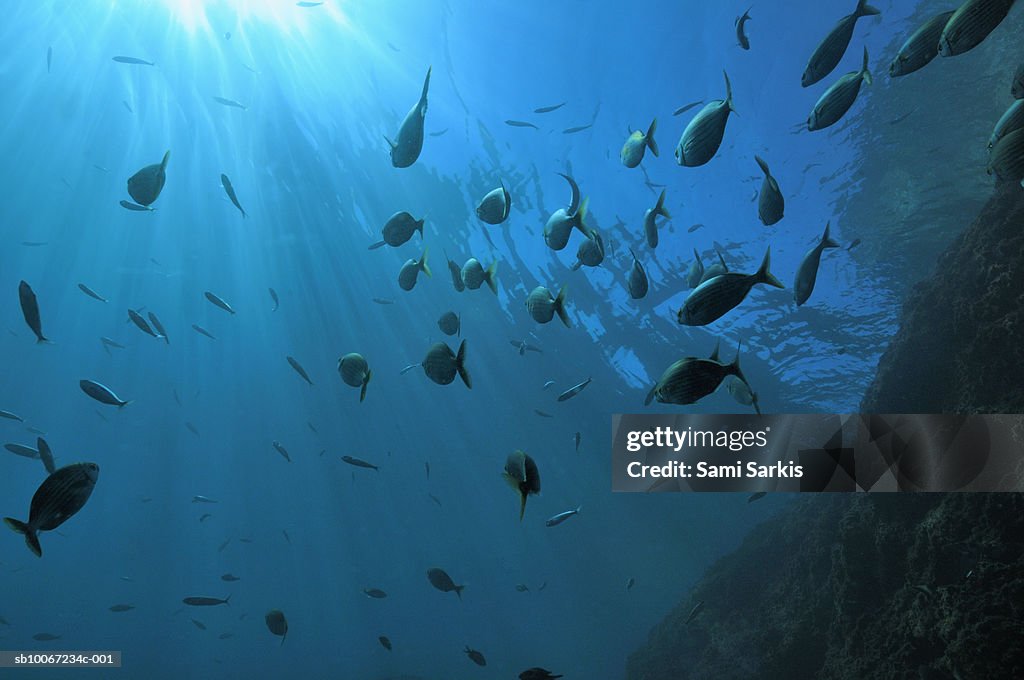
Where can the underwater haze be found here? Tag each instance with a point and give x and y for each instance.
(297, 107)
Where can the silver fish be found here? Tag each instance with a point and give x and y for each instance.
(358, 462)
(23, 451)
(91, 293)
(229, 102)
(355, 372)
(410, 271)
(771, 205)
(971, 24)
(409, 142)
(30, 310)
(57, 499)
(716, 297)
(102, 393)
(145, 185)
(218, 302)
(830, 50)
(561, 222)
(650, 217)
(202, 331)
(697, 609)
(638, 284)
(741, 36)
(921, 47)
(574, 130)
(133, 60)
(807, 273)
(494, 208)
(574, 390)
(838, 98)
(636, 145)
(703, 135)
(543, 307)
(547, 383)
(299, 369)
(140, 323)
(273, 296)
(561, 517)
(549, 109)
(230, 191)
(520, 124)
(283, 451)
(159, 327)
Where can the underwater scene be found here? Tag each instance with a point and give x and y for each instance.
(315, 316)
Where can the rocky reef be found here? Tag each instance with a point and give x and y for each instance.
(867, 586)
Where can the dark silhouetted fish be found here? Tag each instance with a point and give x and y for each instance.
(703, 135)
(385, 642)
(46, 455)
(409, 142)
(273, 296)
(807, 273)
(299, 369)
(145, 185)
(230, 190)
(574, 390)
(971, 24)
(283, 451)
(574, 130)
(135, 207)
(102, 393)
(475, 656)
(838, 98)
(159, 327)
(229, 102)
(57, 499)
(549, 109)
(133, 60)
(771, 205)
(277, 624)
(202, 331)
(741, 36)
(442, 364)
(921, 47)
(522, 474)
(30, 310)
(355, 372)
(440, 579)
(717, 296)
(830, 50)
(520, 124)
(91, 293)
(357, 462)
(140, 323)
(218, 302)
(200, 601)
(374, 593)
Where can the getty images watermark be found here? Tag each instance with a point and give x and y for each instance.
(810, 452)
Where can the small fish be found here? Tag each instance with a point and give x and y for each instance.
(409, 368)
(102, 393)
(757, 496)
(574, 390)
(283, 451)
(311, 427)
(921, 47)
(450, 323)
(716, 297)
(438, 133)
(576, 440)
(543, 307)
(548, 384)
(475, 656)
(129, 107)
(225, 636)
(100, 168)
(192, 428)
(741, 36)
(49, 58)
(630, 583)
(525, 347)
(435, 499)
(30, 310)
(230, 578)
(159, 327)
(287, 538)
(542, 586)
(495, 206)
(299, 369)
(136, 207)
(198, 624)
(440, 579)
(441, 364)
(542, 414)
(807, 273)
(122, 608)
(374, 593)
(230, 191)
(636, 145)
(273, 296)
(11, 416)
(383, 301)
(355, 372)
(426, 464)
(574, 130)
(638, 283)
(697, 609)
(140, 323)
(133, 60)
(853, 244)
(694, 227)
(200, 601)
(393, 47)
(218, 302)
(772, 205)
(202, 331)
(520, 124)
(46, 455)
(410, 271)
(45, 637)
(60, 496)
(203, 499)
(205, 517)
(561, 517)
(23, 451)
(232, 103)
(91, 293)
(406, 150)
(306, 3)
(549, 109)
(385, 642)
(359, 463)
(223, 545)
(245, 540)
(36, 431)
(687, 107)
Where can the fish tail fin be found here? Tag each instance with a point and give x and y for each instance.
(31, 538)
(865, 10)
(763, 274)
(660, 209)
(41, 340)
(491, 277)
(560, 308)
(366, 381)
(753, 401)
(458, 591)
(826, 240)
(866, 73)
(125, 403)
(581, 216)
(227, 600)
(390, 143)
(163, 163)
(650, 396)
(423, 262)
(460, 365)
(426, 84)
(522, 505)
(651, 144)
(728, 93)
(714, 354)
(764, 166)
(734, 367)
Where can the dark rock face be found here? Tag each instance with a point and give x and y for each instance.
(866, 586)
(960, 347)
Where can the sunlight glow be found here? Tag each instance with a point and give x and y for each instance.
(285, 15)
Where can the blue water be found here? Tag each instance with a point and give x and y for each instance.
(321, 87)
